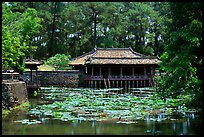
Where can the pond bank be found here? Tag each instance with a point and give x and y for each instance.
(14, 93)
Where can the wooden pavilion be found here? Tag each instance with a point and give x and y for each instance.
(116, 68)
(32, 80)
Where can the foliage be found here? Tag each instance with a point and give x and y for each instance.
(16, 31)
(59, 61)
(87, 104)
(23, 106)
(182, 60)
(75, 27)
(45, 67)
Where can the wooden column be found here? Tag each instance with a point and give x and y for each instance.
(37, 77)
(144, 70)
(31, 75)
(121, 71)
(137, 83)
(95, 84)
(128, 84)
(144, 83)
(92, 70)
(91, 83)
(99, 83)
(133, 71)
(109, 71)
(133, 84)
(100, 71)
(125, 84)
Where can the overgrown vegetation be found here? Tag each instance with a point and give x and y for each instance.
(182, 59)
(23, 106)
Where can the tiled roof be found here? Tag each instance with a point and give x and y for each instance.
(114, 56)
(33, 62)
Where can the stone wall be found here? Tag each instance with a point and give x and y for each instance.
(13, 93)
(69, 78)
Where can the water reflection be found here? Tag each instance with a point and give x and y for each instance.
(53, 127)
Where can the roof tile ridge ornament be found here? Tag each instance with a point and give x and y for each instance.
(89, 57)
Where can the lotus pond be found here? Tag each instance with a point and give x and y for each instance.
(105, 111)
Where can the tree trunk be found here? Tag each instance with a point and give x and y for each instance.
(94, 39)
(50, 48)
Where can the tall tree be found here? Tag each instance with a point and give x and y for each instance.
(17, 29)
(182, 59)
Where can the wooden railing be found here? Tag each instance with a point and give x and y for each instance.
(11, 76)
(114, 77)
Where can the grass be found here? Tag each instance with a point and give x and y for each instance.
(45, 67)
(22, 106)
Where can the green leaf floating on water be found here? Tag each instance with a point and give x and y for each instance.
(88, 104)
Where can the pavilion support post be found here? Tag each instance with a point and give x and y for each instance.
(95, 84)
(92, 70)
(109, 71)
(133, 71)
(109, 85)
(121, 71)
(121, 84)
(144, 83)
(137, 83)
(133, 84)
(99, 84)
(129, 85)
(31, 75)
(100, 71)
(125, 84)
(140, 83)
(91, 83)
(145, 70)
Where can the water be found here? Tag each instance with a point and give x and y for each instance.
(57, 127)
(191, 125)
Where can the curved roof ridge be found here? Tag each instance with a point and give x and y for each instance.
(88, 53)
(136, 53)
(112, 48)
